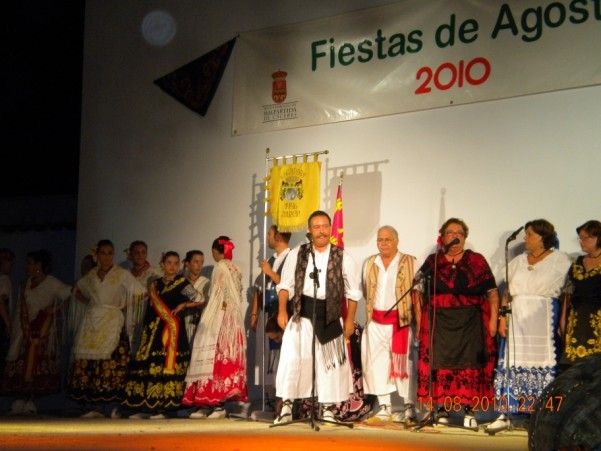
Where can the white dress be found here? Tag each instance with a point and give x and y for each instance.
(530, 345)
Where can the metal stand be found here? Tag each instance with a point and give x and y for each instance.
(506, 312)
(430, 417)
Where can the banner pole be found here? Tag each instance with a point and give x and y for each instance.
(262, 322)
(297, 155)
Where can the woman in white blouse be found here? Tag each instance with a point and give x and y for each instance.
(528, 357)
(33, 360)
(101, 349)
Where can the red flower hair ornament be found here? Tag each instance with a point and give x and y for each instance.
(228, 246)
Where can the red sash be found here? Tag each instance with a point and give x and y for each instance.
(171, 326)
(400, 341)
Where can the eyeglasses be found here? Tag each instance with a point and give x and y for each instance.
(450, 232)
(385, 240)
(584, 238)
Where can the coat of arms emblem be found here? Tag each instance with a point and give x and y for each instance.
(278, 87)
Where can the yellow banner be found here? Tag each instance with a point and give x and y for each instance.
(294, 194)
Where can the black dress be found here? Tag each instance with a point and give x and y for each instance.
(156, 375)
(583, 331)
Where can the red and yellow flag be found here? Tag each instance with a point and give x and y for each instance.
(337, 237)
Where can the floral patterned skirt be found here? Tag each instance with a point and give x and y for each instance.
(149, 387)
(583, 332)
(98, 381)
(227, 384)
(461, 386)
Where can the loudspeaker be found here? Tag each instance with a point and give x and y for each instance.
(568, 413)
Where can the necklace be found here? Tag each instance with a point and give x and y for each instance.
(535, 259)
(453, 261)
(593, 257)
(539, 255)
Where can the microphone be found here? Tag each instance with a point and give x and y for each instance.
(514, 235)
(308, 236)
(446, 247)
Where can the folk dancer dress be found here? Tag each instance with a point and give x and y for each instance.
(531, 346)
(155, 380)
(387, 351)
(101, 349)
(338, 275)
(33, 359)
(464, 352)
(583, 329)
(217, 370)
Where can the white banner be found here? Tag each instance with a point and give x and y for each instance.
(412, 55)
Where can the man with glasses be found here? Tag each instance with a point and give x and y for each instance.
(387, 352)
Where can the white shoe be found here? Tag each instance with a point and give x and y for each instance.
(407, 416)
(328, 415)
(199, 414)
(17, 407)
(115, 414)
(410, 416)
(442, 417)
(92, 414)
(139, 416)
(469, 422)
(285, 415)
(500, 424)
(217, 414)
(158, 416)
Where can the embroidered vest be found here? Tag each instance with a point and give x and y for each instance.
(404, 279)
(334, 282)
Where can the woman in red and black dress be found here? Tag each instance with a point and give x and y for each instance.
(465, 301)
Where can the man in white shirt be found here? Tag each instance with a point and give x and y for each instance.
(336, 275)
(387, 352)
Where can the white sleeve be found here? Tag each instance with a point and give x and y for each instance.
(287, 280)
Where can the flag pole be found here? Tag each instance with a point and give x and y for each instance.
(262, 322)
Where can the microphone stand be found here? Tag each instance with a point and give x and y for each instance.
(506, 312)
(314, 275)
(430, 417)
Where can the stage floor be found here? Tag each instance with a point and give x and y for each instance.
(228, 434)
